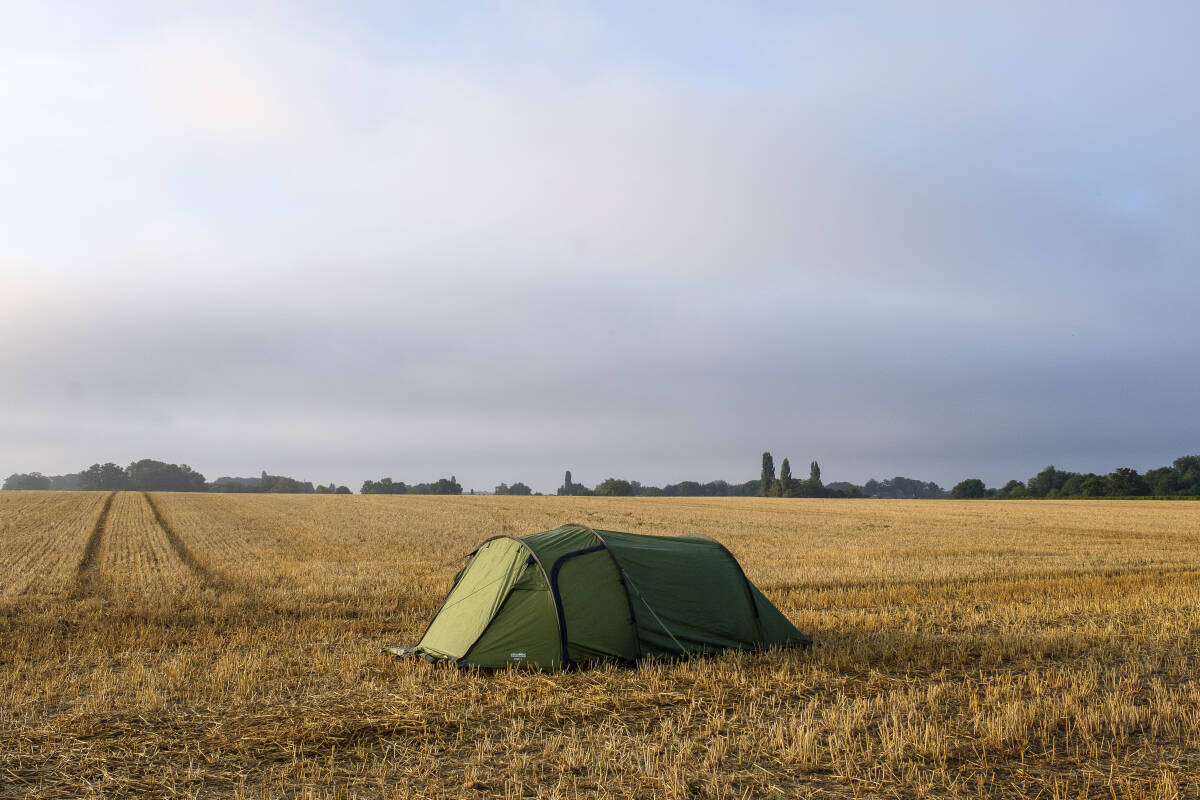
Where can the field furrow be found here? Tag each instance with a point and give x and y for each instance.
(43, 537)
(323, 542)
(135, 552)
(87, 573)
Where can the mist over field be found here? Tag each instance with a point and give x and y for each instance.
(503, 242)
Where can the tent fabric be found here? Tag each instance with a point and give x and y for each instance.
(477, 596)
(574, 595)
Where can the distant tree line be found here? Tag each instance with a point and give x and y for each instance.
(148, 475)
(768, 485)
(388, 486)
(145, 475)
(900, 488)
(1181, 479)
(619, 487)
(711, 489)
(38, 481)
(272, 484)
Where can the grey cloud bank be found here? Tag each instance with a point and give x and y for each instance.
(960, 243)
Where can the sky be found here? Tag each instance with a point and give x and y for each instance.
(499, 241)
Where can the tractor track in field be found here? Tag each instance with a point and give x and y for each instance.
(184, 552)
(87, 571)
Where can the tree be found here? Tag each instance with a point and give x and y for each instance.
(1094, 486)
(1126, 482)
(384, 486)
(1073, 487)
(1012, 490)
(1188, 468)
(444, 486)
(614, 487)
(970, 489)
(282, 484)
(27, 481)
(768, 476)
(785, 479)
(104, 478)
(149, 475)
(342, 490)
(501, 489)
(1186, 463)
(813, 486)
(747, 489)
(519, 488)
(1050, 482)
(1163, 481)
(904, 488)
(68, 482)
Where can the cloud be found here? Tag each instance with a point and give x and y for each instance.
(605, 239)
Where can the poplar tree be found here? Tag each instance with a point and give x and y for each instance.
(768, 476)
(813, 486)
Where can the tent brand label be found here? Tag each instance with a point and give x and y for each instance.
(516, 656)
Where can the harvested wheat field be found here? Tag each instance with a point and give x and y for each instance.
(228, 646)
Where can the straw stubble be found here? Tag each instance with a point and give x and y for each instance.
(228, 646)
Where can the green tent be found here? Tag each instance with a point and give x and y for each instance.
(575, 595)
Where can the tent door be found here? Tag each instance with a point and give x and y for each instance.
(595, 609)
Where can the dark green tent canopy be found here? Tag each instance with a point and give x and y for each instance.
(573, 595)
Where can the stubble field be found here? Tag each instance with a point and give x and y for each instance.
(228, 646)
